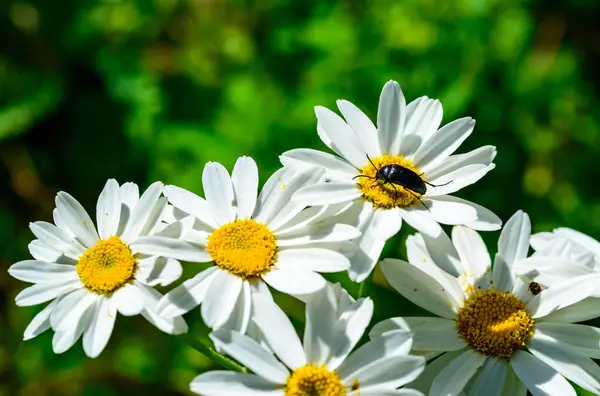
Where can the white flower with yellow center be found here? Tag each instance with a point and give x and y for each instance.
(496, 334)
(406, 146)
(323, 366)
(250, 240)
(92, 274)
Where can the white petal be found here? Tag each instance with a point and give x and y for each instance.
(220, 299)
(423, 118)
(538, 377)
(34, 271)
(40, 323)
(454, 377)
(512, 384)
(336, 168)
(158, 271)
(580, 238)
(100, 328)
(169, 247)
(219, 192)
(513, 243)
(386, 223)
(294, 281)
(321, 315)
(278, 331)
(186, 296)
(442, 252)
(425, 286)
(72, 327)
(174, 325)
(580, 339)
(40, 251)
(42, 292)
(388, 373)
(228, 383)
(433, 368)
(77, 219)
(550, 271)
(397, 343)
(442, 143)
(482, 155)
(342, 136)
(70, 308)
(579, 312)
(348, 330)
(446, 209)
(320, 232)
(240, 316)
(244, 179)
(251, 354)
(391, 115)
(361, 125)
(327, 193)
(190, 203)
(581, 370)
(128, 300)
(562, 295)
(143, 212)
(472, 251)
(457, 179)
(421, 220)
(489, 381)
(57, 239)
(312, 259)
(108, 209)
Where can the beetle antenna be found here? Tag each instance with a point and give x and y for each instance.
(368, 177)
(372, 163)
(437, 185)
(415, 195)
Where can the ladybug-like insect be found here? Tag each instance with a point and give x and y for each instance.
(535, 288)
(397, 174)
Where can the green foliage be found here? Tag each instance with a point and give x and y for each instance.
(146, 90)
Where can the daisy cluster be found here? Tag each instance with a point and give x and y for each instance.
(497, 326)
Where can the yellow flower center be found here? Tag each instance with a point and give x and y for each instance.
(386, 195)
(310, 380)
(244, 248)
(494, 323)
(106, 266)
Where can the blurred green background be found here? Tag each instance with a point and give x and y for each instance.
(145, 90)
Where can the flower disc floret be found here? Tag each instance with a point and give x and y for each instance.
(244, 248)
(107, 266)
(309, 380)
(494, 323)
(386, 195)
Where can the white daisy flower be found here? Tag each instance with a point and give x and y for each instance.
(91, 274)
(323, 365)
(495, 335)
(406, 145)
(250, 240)
(567, 242)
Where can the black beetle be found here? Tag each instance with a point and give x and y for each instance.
(404, 177)
(535, 288)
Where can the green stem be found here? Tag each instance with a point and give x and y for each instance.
(211, 353)
(365, 286)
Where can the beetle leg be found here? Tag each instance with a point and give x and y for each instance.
(368, 177)
(416, 196)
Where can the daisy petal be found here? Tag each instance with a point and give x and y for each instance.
(512, 384)
(34, 271)
(128, 300)
(228, 383)
(42, 292)
(244, 179)
(250, 354)
(513, 243)
(386, 223)
(278, 331)
(57, 238)
(580, 238)
(190, 203)
(429, 334)
(361, 125)
(186, 296)
(458, 179)
(538, 377)
(320, 232)
(421, 220)
(336, 168)
(446, 210)
(389, 373)
(442, 143)
(579, 369)
(423, 118)
(42, 252)
(562, 295)
(342, 136)
(72, 327)
(433, 368)
(472, 251)
(318, 330)
(108, 209)
(219, 192)
(142, 212)
(240, 316)
(294, 282)
(580, 339)
(77, 219)
(172, 248)
(312, 259)
(550, 270)
(489, 381)
(454, 377)
(391, 115)
(158, 271)
(100, 328)
(482, 155)
(579, 312)
(40, 323)
(327, 193)
(220, 299)
(443, 253)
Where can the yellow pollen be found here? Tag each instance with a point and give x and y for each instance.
(244, 248)
(106, 266)
(386, 195)
(494, 323)
(311, 380)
